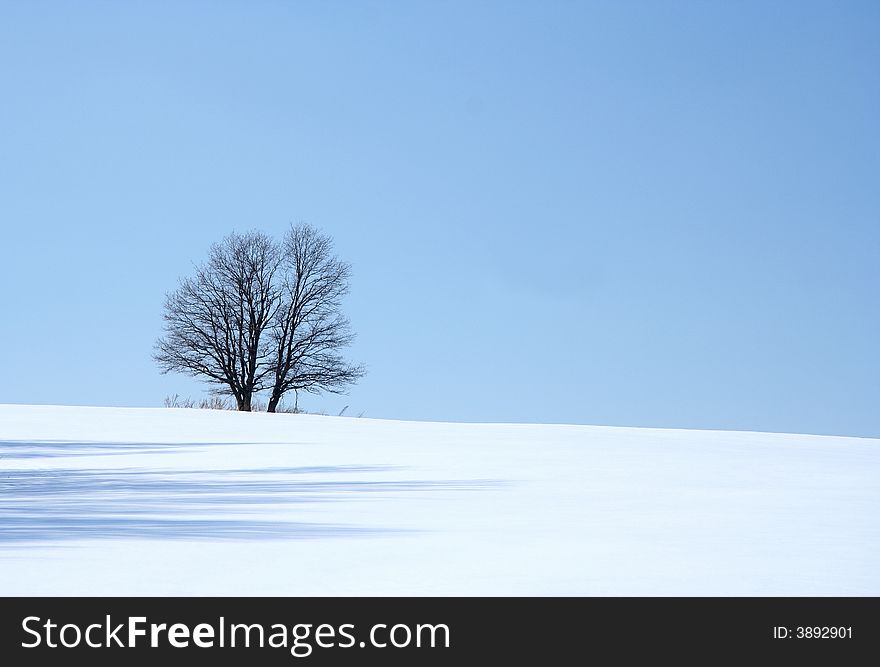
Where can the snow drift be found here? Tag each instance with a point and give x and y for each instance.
(136, 501)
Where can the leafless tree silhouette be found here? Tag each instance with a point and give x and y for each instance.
(308, 329)
(215, 321)
(260, 315)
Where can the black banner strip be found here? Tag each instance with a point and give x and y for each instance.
(429, 631)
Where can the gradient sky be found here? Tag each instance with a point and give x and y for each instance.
(630, 213)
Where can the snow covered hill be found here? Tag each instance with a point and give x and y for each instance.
(136, 501)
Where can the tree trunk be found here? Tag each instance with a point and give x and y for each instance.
(244, 404)
(273, 403)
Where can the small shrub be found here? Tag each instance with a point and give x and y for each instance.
(177, 401)
(215, 403)
(210, 403)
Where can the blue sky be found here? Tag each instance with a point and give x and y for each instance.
(633, 213)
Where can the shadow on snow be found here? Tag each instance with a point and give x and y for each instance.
(63, 504)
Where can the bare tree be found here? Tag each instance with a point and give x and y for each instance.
(216, 321)
(308, 330)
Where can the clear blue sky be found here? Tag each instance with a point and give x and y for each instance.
(634, 213)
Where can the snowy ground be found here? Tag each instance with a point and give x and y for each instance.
(128, 501)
